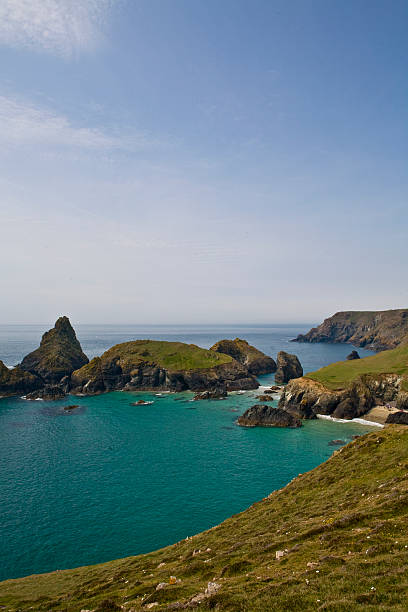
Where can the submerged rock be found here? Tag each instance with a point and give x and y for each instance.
(218, 393)
(336, 442)
(261, 415)
(72, 407)
(58, 355)
(353, 355)
(253, 359)
(288, 367)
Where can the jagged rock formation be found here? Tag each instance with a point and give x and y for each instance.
(398, 418)
(254, 360)
(377, 330)
(352, 355)
(16, 381)
(261, 415)
(218, 393)
(58, 355)
(306, 398)
(288, 367)
(149, 364)
(49, 392)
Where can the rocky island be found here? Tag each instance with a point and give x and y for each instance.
(59, 366)
(376, 330)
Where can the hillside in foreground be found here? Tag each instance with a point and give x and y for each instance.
(342, 528)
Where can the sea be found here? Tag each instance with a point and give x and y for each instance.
(111, 479)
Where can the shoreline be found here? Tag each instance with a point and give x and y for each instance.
(327, 417)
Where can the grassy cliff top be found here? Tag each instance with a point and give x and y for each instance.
(338, 375)
(169, 355)
(343, 528)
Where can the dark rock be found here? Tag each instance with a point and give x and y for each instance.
(288, 367)
(49, 392)
(264, 398)
(261, 415)
(58, 355)
(16, 381)
(72, 407)
(219, 393)
(254, 360)
(276, 388)
(336, 443)
(353, 355)
(398, 418)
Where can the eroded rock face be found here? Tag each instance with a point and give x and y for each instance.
(16, 381)
(261, 415)
(250, 357)
(378, 330)
(288, 367)
(49, 392)
(112, 372)
(306, 398)
(58, 355)
(398, 418)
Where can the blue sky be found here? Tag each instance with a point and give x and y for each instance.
(202, 161)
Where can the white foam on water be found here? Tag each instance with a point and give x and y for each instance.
(360, 421)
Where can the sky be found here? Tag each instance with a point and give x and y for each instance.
(202, 161)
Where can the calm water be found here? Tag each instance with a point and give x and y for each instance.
(111, 480)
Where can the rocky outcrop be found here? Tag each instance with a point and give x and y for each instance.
(49, 393)
(262, 415)
(377, 330)
(147, 365)
(250, 357)
(219, 393)
(353, 355)
(58, 355)
(16, 381)
(307, 398)
(288, 367)
(397, 418)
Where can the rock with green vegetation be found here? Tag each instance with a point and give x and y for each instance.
(349, 389)
(261, 415)
(288, 367)
(255, 361)
(58, 355)
(334, 539)
(377, 330)
(16, 381)
(153, 364)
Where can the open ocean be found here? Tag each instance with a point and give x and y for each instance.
(111, 480)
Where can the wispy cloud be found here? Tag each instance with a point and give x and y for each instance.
(63, 27)
(26, 124)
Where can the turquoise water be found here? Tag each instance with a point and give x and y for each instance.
(111, 479)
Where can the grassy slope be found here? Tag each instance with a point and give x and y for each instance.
(349, 516)
(169, 355)
(338, 375)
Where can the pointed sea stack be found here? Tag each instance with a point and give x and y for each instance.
(58, 355)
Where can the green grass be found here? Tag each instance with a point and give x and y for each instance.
(170, 355)
(348, 516)
(338, 375)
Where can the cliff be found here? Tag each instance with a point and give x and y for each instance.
(254, 360)
(17, 382)
(58, 355)
(334, 538)
(377, 330)
(349, 389)
(151, 364)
